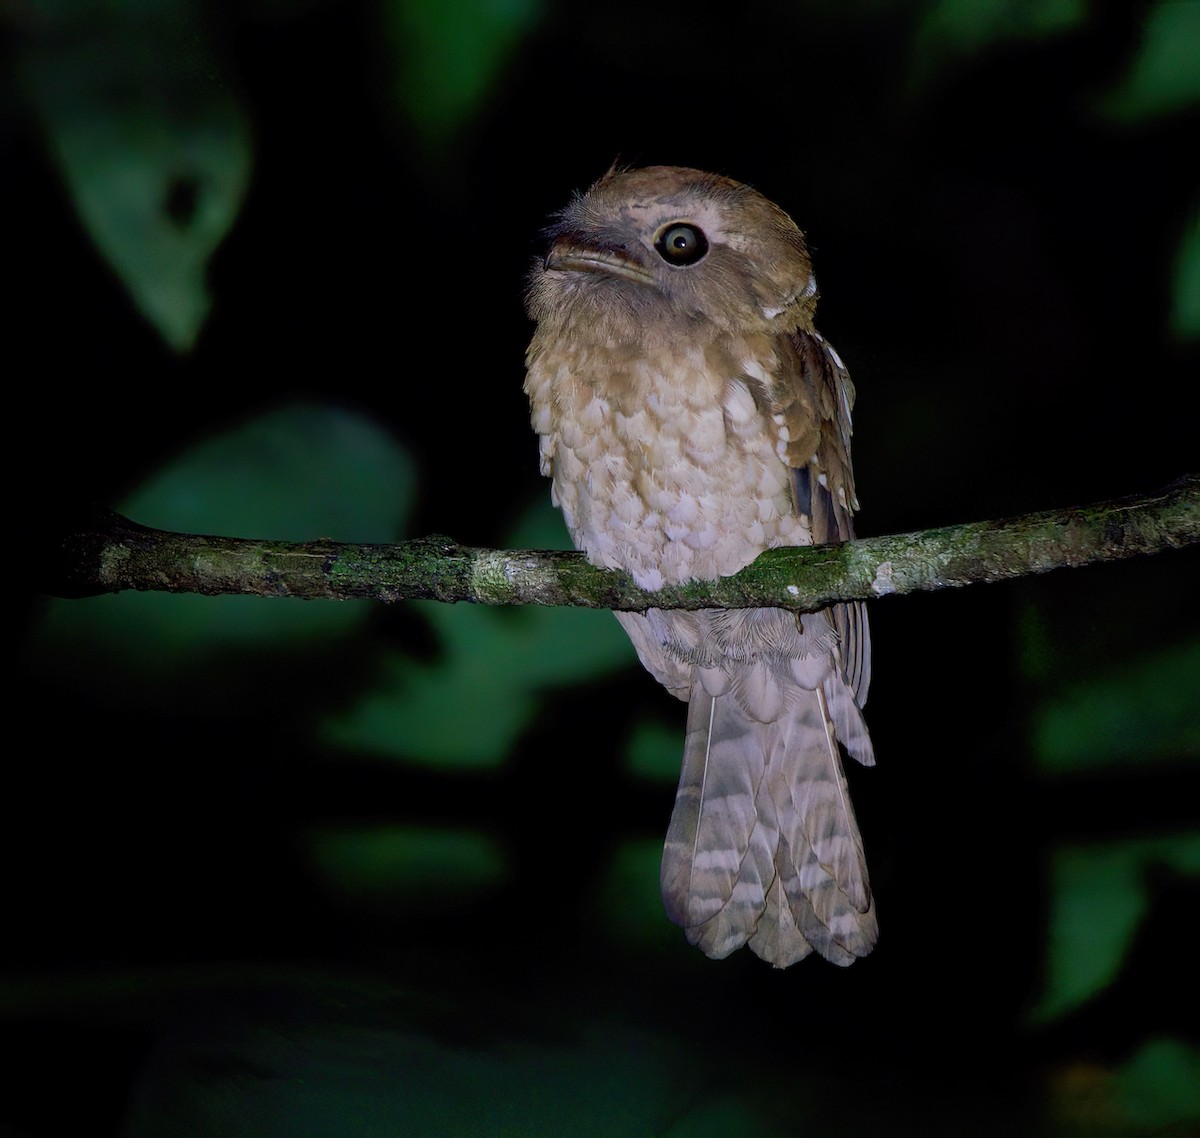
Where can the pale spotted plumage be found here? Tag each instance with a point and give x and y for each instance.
(690, 417)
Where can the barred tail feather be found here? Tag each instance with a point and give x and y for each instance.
(763, 847)
(719, 855)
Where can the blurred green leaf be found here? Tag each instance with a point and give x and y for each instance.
(629, 901)
(1098, 896)
(1164, 75)
(450, 53)
(656, 750)
(154, 149)
(297, 472)
(1145, 708)
(311, 1077)
(381, 865)
(1160, 1086)
(1185, 293)
(952, 30)
(1164, 78)
(467, 708)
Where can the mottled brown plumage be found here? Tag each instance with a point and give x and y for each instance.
(690, 417)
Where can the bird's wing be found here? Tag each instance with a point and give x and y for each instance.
(814, 396)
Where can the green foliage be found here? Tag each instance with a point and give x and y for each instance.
(1164, 76)
(1185, 303)
(449, 54)
(296, 472)
(383, 867)
(468, 706)
(153, 147)
(1160, 1086)
(951, 30)
(156, 151)
(322, 1078)
(1099, 895)
(300, 472)
(1105, 706)
(1164, 79)
(629, 903)
(1143, 710)
(655, 749)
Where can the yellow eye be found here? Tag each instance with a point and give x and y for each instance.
(680, 243)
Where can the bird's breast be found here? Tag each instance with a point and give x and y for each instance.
(665, 464)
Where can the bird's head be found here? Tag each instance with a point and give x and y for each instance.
(662, 246)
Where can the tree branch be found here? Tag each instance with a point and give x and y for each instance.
(109, 553)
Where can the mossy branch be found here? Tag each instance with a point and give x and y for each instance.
(109, 553)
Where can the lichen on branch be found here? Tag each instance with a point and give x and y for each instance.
(108, 553)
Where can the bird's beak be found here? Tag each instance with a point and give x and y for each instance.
(576, 253)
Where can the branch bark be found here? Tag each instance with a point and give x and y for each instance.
(110, 553)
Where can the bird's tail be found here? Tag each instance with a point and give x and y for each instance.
(763, 847)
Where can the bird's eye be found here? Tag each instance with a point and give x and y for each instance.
(681, 244)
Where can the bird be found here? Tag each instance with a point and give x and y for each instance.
(690, 417)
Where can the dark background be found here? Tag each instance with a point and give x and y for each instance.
(224, 916)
